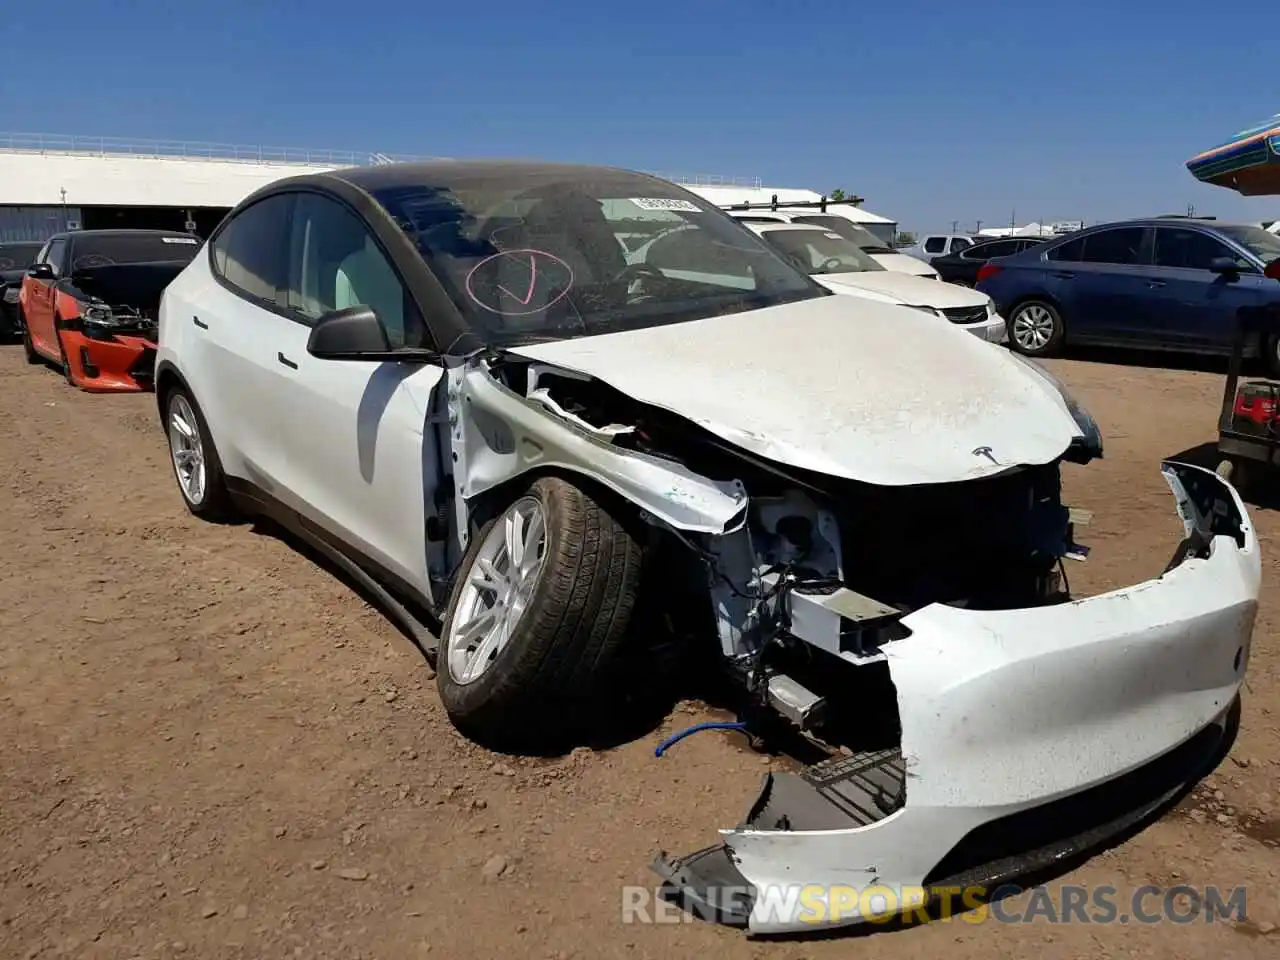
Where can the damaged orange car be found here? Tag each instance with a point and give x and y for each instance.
(89, 304)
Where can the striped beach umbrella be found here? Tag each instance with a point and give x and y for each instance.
(1248, 163)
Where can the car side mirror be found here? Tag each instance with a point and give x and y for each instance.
(351, 333)
(1273, 269)
(40, 271)
(1225, 266)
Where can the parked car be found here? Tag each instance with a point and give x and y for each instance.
(14, 259)
(963, 267)
(840, 266)
(89, 304)
(1156, 284)
(450, 378)
(933, 245)
(870, 244)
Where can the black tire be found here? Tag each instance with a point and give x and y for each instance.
(1035, 314)
(28, 347)
(560, 650)
(215, 504)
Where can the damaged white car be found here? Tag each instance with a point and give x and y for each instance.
(465, 384)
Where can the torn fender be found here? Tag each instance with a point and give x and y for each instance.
(1027, 735)
(497, 434)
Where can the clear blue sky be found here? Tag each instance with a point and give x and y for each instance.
(933, 111)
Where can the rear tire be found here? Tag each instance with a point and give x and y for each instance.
(531, 631)
(1036, 329)
(28, 347)
(194, 458)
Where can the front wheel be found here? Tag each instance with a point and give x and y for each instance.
(539, 609)
(1036, 329)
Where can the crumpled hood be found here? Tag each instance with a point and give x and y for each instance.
(838, 385)
(914, 290)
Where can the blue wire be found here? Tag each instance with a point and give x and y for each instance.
(676, 738)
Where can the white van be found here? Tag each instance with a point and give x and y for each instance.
(870, 244)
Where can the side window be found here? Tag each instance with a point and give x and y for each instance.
(986, 251)
(334, 262)
(959, 243)
(1069, 252)
(1120, 246)
(249, 252)
(935, 244)
(57, 257)
(43, 255)
(1190, 249)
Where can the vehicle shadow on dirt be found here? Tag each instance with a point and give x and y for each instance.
(1159, 360)
(625, 712)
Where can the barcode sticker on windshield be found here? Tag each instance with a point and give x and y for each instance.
(663, 203)
(178, 240)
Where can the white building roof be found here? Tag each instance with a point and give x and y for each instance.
(35, 169)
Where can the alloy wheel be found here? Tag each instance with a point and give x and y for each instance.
(187, 449)
(1032, 327)
(497, 590)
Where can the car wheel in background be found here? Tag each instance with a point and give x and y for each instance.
(540, 606)
(28, 347)
(195, 460)
(1035, 329)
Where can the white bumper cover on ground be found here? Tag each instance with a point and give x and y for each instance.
(1007, 711)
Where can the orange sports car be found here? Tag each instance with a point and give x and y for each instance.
(89, 304)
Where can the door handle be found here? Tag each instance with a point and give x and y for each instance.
(1154, 284)
(1063, 276)
(200, 323)
(286, 361)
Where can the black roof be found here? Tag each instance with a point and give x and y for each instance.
(390, 176)
(118, 232)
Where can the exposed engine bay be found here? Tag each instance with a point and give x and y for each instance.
(816, 573)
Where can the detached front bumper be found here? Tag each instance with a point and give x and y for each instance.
(1027, 736)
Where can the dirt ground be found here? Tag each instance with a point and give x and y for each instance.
(212, 747)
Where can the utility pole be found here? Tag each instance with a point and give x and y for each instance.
(953, 225)
(978, 228)
(62, 191)
(1013, 221)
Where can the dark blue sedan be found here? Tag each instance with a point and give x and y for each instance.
(1163, 284)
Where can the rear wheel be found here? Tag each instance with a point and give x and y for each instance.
(1036, 329)
(195, 460)
(28, 347)
(538, 612)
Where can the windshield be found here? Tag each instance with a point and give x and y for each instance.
(16, 256)
(1263, 245)
(112, 249)
(820, 251)
(863, 237)
(537, 253)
